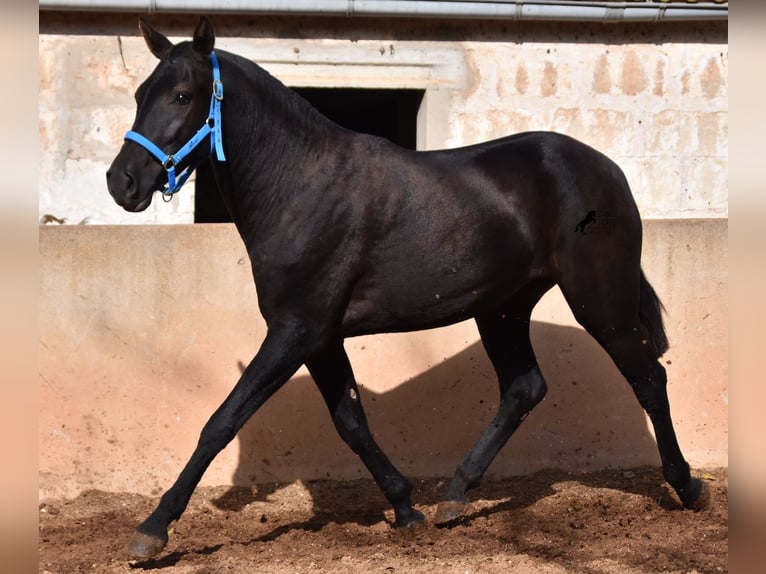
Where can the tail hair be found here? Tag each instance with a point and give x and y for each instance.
(650, 314)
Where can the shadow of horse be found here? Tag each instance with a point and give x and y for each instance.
(590, 420)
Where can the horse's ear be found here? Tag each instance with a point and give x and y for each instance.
(157, 43)
(204, 37)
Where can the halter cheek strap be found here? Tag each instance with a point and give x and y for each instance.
(211, 127)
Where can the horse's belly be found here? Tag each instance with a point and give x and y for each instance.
(412, 303)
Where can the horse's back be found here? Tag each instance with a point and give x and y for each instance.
(542, 167)
(529, 190)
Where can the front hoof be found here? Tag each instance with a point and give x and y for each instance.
(409, 519)
(696, 496)
(145, 545)
(449, 511)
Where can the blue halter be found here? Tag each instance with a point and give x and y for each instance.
(212, 126)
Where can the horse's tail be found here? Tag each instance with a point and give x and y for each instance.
(650, 314)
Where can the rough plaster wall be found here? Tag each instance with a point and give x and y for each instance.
(656, 103)
(659, 110)
(86, 106)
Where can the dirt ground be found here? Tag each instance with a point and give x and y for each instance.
(551, 522)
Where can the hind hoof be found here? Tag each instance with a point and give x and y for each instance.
(145, 545)
(449, 511)
(697, 496)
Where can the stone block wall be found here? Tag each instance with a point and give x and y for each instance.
(652, 97)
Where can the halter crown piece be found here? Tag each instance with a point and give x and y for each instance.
(212, 127)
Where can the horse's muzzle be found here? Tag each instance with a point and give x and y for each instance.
(124, 188)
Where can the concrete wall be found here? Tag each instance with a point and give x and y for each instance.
(653, 97)
(144, 330)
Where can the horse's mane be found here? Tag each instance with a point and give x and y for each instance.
(278, 93)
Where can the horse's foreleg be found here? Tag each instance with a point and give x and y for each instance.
(506, 340)
(272, 366)
(333, 375)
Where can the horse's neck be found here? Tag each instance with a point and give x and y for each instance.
(277, 151)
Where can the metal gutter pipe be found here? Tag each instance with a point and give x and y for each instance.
(558, 10)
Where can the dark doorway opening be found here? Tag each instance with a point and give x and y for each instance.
(391, 114)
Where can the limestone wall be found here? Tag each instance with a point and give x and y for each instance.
(653, 97)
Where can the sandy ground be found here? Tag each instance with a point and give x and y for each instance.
(551, 522)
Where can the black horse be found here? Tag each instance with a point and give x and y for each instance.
(349, 234)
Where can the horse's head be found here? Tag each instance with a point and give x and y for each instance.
(172, 104)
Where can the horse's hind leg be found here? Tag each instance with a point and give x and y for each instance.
(333, 375)
(505, 335)
(647, 377)
(623, 315)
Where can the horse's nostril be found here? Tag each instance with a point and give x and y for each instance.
(125, 180)
(120, 181)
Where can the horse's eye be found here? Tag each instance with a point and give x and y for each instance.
(182, 98)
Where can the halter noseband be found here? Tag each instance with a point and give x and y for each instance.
(212, 126)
